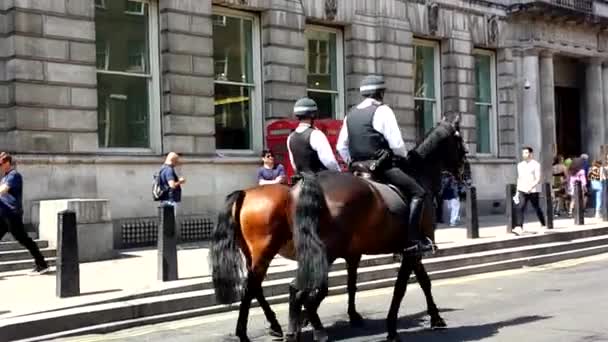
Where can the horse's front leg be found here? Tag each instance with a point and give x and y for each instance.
(425, 283)
(400, 287)
(352, 264)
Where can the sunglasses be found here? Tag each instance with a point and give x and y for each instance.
(269, 156)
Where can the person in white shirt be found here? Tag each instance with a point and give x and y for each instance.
(528, 180)
(370, 130)
(309, 149)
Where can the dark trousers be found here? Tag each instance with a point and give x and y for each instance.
(404, 182)
(523, 203)
(14, 224)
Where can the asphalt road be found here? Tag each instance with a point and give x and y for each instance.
(567, 301)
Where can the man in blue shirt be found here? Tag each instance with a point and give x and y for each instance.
(11, 211)
(170, 181)
(270, 173)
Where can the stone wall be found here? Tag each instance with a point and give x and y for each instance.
(49, 76)
(188, 124)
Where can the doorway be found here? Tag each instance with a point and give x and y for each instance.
(567, 121)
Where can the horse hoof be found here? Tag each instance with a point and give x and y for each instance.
(438, 323)
(275, 331)
(356, 320)
(393, 339)
(320, 336)
(292, 337)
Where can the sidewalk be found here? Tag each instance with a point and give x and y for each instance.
(136, 271)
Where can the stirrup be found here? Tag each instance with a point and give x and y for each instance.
(417, 248)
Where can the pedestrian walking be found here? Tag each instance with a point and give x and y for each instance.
(11, 211)
(576, 172)
(595, 177)
(450, 197)
(528, 179)
(558, 185)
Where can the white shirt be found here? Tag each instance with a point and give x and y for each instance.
(319, 143)
(384, 122)
(528, 176)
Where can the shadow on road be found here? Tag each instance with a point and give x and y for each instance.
(375, 329)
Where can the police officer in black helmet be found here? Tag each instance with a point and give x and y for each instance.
(309, 149)
(370, 130)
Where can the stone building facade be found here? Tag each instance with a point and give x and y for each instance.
(94, 92)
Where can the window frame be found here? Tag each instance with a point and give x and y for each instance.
(341, 99)
(256, 88)
(436, 77)
(493, 105)
(154, 94)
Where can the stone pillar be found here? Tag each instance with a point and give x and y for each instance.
(592, 131)
(284, 58)
(507, 103)
(458, 65)
(530, 115)
(187, 77)
(605, 101)
(547, 106)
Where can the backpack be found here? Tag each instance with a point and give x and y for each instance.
(157, 190)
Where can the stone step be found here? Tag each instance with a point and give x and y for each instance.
(24, 254)
(112, 316)
(14, 245)
(19, 265)
(8, 237)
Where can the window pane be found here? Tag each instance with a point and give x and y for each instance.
(123, 111)
(425, 118)
(322, 60)
(483, 89)
(232, 49)
(326, 102)
(122, 38)
(232, 116)
(482, 113)
(424, 81)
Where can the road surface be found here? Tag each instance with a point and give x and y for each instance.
(567, 302)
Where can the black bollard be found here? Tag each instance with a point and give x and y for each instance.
(548, 205)
(472, 218)
(167, 244)
(579, 207)
(68, 267)
(605, 200)
(510, 207)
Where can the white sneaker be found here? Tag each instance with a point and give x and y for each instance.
(518, 230)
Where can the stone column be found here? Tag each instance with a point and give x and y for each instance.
(605, 101)
(593, 119)
(547, 105)
(530, 115)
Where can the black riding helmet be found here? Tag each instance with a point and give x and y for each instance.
(305, 108)
(372, 85)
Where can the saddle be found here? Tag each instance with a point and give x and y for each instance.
(395, 200)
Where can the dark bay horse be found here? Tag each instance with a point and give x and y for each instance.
(336, 215)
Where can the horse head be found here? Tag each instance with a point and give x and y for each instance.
(443, 149)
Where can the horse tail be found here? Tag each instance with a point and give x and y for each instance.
(313, 267)
(225, 257)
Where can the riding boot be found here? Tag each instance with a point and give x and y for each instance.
(418, 243)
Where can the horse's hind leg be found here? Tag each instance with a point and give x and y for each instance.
(353, 264)
(312, 302)
(425, 283)
(275, 329)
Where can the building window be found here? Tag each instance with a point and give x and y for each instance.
(427, 103)
(324, 63)
(485, 100)
(128, 96)
(236, 65)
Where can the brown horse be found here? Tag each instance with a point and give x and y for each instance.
(336, 215)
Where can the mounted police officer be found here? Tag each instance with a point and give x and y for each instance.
(370, 133)
(309, 149)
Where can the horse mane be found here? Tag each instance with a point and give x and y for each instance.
(433, 138)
